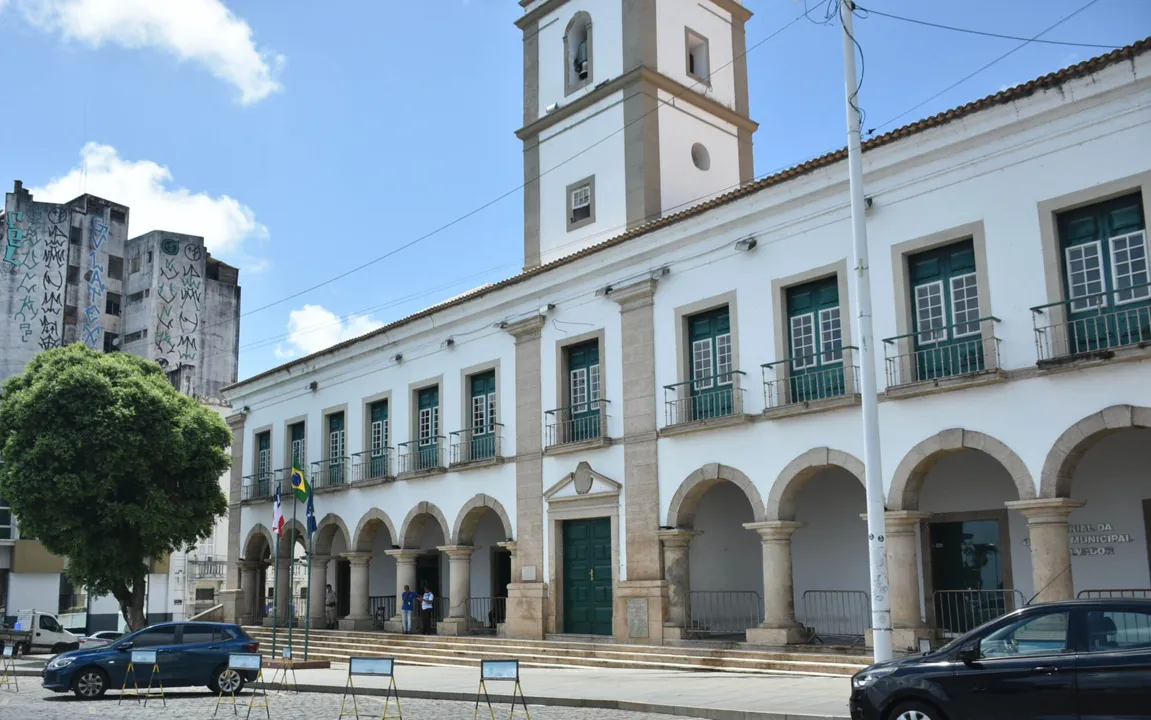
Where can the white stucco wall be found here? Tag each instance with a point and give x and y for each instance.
(607, 48)
(682, 184)
(33, 591)
(714, 24)
(725, 556)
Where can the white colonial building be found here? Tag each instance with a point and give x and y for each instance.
(653, 432)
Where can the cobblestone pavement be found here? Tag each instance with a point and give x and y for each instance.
(34, 703)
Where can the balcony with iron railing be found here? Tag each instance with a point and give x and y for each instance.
(207, 569)
(331, 473)
(1093, 327)
(704, 402)
(260, 486)
(423, 456)
(811, 382)
(477, 446)
(957, 355)
(577, 427)
(372, 465)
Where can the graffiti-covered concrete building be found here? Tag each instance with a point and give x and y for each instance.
(69, 273)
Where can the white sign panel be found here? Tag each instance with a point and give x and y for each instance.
(286, 653)
(500, 670)
(244, 661)
(143, 657)
(8, 651)
(371, 666)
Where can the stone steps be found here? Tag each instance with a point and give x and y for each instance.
(337, 646)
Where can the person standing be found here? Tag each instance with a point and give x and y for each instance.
(408, 608)
(426, 603)
(329, 607)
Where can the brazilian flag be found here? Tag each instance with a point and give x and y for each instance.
(300, 485)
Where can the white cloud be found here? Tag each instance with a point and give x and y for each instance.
(202, 31)
(153, 201)
(313, 328)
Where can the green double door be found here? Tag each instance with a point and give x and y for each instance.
(587, 577)
(948, 340)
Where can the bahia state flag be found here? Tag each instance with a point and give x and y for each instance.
(278, 515)
(300, 484)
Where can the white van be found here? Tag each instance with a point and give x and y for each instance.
(39, 632)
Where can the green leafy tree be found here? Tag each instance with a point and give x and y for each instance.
(108, 465)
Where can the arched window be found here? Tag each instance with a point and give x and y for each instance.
(577, 53)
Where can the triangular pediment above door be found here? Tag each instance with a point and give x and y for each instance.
(583, 482)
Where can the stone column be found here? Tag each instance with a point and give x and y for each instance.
(358, 617)
(283, 596)
(460, 587)
(677, 573)
(317, 591)
(907, 626)
(527, 593)
(234, 603)
(1050, 545)
(250, 592)
(641, 607)
(779, 626)
(405, 575)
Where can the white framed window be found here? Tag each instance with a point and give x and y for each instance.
(594, 386)
(1129, 267)
(930, 320)
(830, 335)
(491, 412)
(577, 382)
(379, 437)
(335, 445)
(723, 359)
(429, 425)
(698, 60)
(803, 341)
(964, 305)
(581, 203)
(480, 414)
(1085, 276)
(264, 463)
(701, 364)
(300, 452)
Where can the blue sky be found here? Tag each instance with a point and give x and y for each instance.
(303, 142)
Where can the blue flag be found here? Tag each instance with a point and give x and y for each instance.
(311, 514)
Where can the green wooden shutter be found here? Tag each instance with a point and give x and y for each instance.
(945, 308)
(583, 391)
(712, 364)
(428, 417)
(378, 460)
(815, 341)
(1105, 274)
(299, 445)
(336, 447)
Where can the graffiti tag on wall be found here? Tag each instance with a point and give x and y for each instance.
(94, 312)
(36, 242)
(181, 293)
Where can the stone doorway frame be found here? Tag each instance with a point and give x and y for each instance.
(600, 497)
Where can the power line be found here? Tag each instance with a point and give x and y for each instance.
(969, 31)
(1004, 56)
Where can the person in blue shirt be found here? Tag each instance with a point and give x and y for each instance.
(408, 608)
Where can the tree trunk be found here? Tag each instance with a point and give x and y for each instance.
(132, 604)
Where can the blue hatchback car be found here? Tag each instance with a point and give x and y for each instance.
(187, 653)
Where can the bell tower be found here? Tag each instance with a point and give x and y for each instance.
(633, 109)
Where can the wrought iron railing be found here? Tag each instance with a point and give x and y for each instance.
(427, 454)
(481, 443)
(723, 612)
(382, 609)
(257, 487)
(485, 613)
(833, 616)
(1108, 593)
(949, 351)
(332, 472)
(577, 423)
(807, 378)
(372, 465)
(1093, 324)
(959, 611)
(704, 398)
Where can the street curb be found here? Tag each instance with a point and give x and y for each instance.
(596, 704)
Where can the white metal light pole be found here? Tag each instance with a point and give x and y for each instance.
(876, 522)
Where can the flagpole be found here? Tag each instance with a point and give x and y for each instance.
(292, 574)
(276, 595)
(308, 602)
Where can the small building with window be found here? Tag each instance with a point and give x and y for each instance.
(653, 432)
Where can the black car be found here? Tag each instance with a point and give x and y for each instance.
(1075, 660)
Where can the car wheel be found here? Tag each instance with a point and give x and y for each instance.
(90, 684)
(226, 680)
(916, 711)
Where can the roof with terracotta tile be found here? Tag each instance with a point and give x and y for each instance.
(1008, 95)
